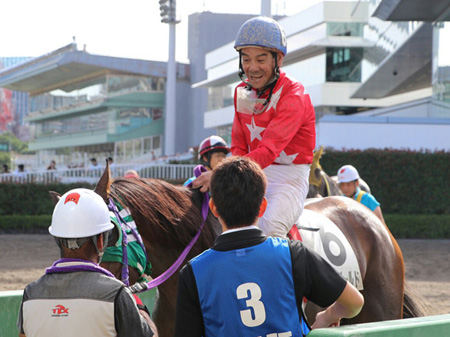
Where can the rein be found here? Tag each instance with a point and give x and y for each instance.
(144, 286)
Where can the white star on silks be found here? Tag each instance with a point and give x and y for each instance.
(255, 131)
(283, 158)
(274, 100)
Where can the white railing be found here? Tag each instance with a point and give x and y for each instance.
(92, 175)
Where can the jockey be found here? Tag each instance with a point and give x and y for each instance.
(348, 180)
(75, 289)
(211, 152)
(274, 123)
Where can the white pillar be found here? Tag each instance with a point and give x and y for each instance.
(266, 9)
(170, 106)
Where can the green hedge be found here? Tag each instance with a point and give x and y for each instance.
(420, 226)
(25, 223)
(31, 199)
(404, 182)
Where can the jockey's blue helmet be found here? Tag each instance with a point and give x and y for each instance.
(262, 32)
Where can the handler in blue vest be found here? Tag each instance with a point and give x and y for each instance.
(248, 284)
(348, 179)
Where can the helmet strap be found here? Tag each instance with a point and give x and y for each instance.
(71, 243)
(206, 163)
(241, 69)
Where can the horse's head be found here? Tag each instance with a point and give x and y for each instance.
(320, 183)
(316, 184)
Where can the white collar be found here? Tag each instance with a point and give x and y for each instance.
(232, 230)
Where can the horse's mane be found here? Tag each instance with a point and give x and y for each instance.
(166, 213)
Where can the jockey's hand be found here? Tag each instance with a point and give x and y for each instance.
(325, 320)
(203, 181)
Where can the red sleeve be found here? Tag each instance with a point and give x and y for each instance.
(280, 131)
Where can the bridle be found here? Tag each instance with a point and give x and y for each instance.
(144, 286)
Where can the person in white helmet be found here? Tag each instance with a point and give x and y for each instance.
(211, 152)
(76, 297)
(348, 180)
(274, 123)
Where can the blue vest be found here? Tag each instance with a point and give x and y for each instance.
(249, 291)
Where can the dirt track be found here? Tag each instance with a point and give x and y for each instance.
(24, 258)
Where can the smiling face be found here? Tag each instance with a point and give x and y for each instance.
(259, 65)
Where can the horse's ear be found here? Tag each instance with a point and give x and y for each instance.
(55, 196)
(103, 186)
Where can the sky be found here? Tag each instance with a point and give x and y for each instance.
(129, 28)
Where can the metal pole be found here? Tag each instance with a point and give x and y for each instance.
(169, 125)
(266, 9)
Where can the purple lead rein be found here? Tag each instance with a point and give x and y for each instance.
(140, 287)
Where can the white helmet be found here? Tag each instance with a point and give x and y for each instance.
(80, 213)
(347, 173)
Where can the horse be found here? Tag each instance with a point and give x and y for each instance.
(168, 217)
(322, 185)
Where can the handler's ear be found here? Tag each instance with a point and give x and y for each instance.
(213, 208)
(263, 207)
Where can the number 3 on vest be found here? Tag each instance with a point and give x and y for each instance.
(253, 302)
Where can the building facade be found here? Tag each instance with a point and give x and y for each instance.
(83, 106)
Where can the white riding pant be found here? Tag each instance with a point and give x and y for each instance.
(286, 194)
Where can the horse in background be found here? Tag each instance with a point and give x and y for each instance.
(322, 185)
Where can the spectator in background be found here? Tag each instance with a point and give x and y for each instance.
(20, 173)
(112, 166)
(52, 165)
(94, 169)
(94, 163)
(5, 168)
(348, 179)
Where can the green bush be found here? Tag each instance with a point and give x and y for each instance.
(25, 223)
(421, 226)
(31, 199)
(404, 182)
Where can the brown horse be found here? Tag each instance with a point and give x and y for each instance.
(168, 217)
(322, 185)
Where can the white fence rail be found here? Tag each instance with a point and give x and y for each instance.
(92, 175)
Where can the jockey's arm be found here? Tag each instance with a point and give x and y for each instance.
(203, 181)
(348, 305)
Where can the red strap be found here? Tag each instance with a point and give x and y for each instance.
(294, 234)
(138, 300)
